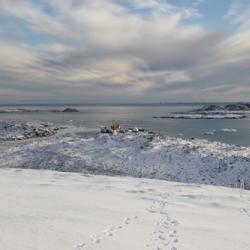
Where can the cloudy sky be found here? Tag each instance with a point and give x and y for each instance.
(99, 51)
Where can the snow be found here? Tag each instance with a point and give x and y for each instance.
(134, 154)
(47, 210)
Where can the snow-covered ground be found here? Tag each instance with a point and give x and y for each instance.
(138, 155)
(47, 210)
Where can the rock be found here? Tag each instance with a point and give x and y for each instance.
(227, 107)
(14, 130)
(105, 130)
(135, 130)
(70, 110)
(238, 107)
(211, 107)
(44, 132)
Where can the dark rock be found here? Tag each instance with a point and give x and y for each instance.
(211, 107)
(70, 110)
(228, 107)
(238, 107)
(106, 130)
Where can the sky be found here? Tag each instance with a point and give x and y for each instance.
(124, 51)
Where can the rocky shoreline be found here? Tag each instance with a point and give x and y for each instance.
(16, 130)
(201, 116)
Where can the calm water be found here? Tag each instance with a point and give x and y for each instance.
(141, 116)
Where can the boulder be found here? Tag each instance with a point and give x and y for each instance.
(105, 130)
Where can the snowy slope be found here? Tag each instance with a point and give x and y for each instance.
(46, 210)
(137, 155)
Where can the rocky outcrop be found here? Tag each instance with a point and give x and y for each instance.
(211, 107)
(227, 107)
(70, 110)
(238, 107)
(213, 111)
(14, 130)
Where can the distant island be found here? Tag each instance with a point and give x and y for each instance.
(70, 110)
(213, 111)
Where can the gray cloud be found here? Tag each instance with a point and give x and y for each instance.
(101, 50)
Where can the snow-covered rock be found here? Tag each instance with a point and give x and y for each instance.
(15, 130)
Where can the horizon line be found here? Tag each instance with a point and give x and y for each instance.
(119, 104)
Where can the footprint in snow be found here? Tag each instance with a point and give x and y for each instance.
(165, 232)
(80, 246)
(245, 211)
(106, 233)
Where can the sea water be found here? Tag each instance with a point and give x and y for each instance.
(92, 117)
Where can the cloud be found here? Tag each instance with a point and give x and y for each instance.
(156, 5)
(144, 50)
(239, 14)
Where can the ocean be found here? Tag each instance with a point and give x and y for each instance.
(92, 117)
